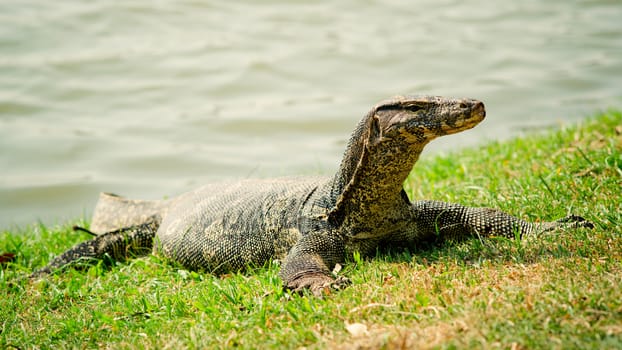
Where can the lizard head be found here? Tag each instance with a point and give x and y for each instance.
(421, 119)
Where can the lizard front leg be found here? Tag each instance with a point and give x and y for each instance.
(310, 262)
(447, 220)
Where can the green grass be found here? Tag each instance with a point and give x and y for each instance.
(561, 290)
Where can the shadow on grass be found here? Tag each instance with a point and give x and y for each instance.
(474, 251)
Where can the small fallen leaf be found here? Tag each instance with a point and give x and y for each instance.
(356, 329)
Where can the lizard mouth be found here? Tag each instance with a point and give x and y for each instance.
(478, 112)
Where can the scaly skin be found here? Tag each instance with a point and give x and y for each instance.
(310, 223)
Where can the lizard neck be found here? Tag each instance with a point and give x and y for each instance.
(368, 188)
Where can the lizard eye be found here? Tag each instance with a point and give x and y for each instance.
(413, 108)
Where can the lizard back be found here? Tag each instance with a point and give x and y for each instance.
(228, 226)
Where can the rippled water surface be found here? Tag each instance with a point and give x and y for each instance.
(153, 98)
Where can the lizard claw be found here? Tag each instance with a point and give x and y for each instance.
(318, 283)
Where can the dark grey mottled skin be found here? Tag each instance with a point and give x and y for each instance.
(311, 224)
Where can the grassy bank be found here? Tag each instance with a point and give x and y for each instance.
(561, 290)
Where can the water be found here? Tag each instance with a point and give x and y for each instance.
(150, 99)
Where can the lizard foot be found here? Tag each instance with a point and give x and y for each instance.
(318, 283)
